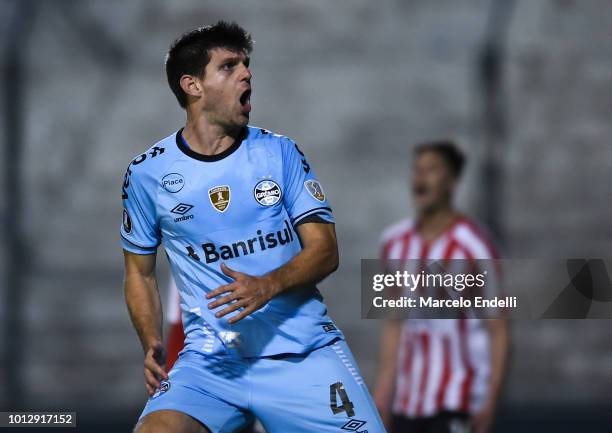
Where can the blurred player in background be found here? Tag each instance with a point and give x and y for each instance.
(248, 233)
(439, 375)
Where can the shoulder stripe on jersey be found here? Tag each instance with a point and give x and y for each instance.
(139, 246)
(310, 212)
(477, 239)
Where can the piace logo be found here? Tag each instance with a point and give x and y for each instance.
(173, 182)
(267, 193)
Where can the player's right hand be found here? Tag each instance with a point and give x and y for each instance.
(154, 367)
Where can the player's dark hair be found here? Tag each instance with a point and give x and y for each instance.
(448, 150)
(189, 53)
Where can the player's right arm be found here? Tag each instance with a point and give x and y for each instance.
(144, 305)
(140, 237)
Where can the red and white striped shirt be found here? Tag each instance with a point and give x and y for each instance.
(443, 364)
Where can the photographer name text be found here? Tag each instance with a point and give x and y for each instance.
(432, 302)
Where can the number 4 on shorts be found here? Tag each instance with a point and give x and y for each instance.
(335, 390)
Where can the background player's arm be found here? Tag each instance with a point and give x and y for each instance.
(385, 383)
(499, 346)
(144, 305)
(318, 259)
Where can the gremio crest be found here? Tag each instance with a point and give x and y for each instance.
(220, 197)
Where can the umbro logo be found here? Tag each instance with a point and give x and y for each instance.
(354, 425)
(181, 208)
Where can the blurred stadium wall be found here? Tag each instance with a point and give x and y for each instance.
(356, 84)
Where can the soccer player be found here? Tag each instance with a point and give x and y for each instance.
(248, 232)
(439, 375)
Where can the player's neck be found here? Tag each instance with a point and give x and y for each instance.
(434, 222)
(208, 138)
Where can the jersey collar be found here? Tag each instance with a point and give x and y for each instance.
(209, 158)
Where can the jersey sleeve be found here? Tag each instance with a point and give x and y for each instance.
(139, 229)
(304, 197)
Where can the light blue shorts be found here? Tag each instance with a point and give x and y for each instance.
(320, 391)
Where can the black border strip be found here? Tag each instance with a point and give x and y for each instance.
(314, 218)
(210, 158)
(139, 246)
(294, 220)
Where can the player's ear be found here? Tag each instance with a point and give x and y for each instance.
(191, 85)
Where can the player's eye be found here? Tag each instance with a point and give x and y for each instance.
(227, 66)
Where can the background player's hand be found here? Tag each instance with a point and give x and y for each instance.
(383, 398)
(483, 420)
(247, 292)
(154, 367)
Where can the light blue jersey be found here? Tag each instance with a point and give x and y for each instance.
(240, 207)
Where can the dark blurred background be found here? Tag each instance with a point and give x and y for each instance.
(525, 86)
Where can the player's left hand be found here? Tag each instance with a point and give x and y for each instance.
(247, 292)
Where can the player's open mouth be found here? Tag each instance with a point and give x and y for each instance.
(245, 101)
(420, 190)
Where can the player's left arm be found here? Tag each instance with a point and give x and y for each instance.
(318, 259)
(499, 347)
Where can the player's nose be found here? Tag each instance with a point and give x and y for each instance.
(246, 74)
